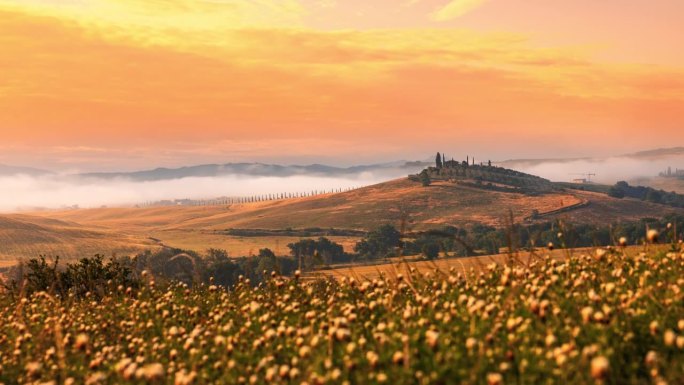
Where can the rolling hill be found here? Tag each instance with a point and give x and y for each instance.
(107, 230)
(23, 236)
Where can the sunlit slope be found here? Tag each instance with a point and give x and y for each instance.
(23, 236)
(365, 208)
(398, 202)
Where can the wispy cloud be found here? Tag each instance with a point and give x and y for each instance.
(455, 9)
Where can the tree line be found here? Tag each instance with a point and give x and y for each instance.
(622, 189)
(244, 199)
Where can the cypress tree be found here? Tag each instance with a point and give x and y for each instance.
(438, 160)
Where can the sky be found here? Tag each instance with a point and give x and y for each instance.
(129, 84)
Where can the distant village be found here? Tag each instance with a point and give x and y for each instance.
(678, 173)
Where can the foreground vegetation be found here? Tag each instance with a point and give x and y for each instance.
(605, 318)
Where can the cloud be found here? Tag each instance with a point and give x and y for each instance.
(105, 83)
(455, 9)
(164, 15)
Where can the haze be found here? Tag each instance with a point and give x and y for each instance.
(130, 84)
(25, 192)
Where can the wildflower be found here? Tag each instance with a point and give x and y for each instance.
(81, 341)
(471, 343)
(372, 358)
(398, 357)
(653, 327)
(342, 334)
(96, 378)
(600, 253)
(494, 379)
(33, 369)
(184, 378)
(432, 338)
(652, 235)
(550, 340)
(151, 372)
(599, 367)
(294, 373)
(669, 337)
(304, 351)
(610, 286)
(680, 342)
(622, 241)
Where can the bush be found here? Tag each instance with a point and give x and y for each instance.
(431, 250)
(87, 276)
(616, 192)
(379, 243)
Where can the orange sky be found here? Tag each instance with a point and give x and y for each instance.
(138, 83)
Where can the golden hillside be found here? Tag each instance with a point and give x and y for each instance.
(107, 230)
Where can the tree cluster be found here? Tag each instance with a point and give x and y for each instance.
(622, 189)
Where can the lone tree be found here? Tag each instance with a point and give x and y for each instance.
(438, 160)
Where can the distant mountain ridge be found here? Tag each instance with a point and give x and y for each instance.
(656, 153)
(254, 169)
(6, 170)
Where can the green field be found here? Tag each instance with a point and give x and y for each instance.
(603, 318)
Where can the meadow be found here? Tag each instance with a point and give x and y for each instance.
(605, 317)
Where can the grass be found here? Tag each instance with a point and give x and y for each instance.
(604, 318)
(23, 237)
(237, 245)
(403, 265)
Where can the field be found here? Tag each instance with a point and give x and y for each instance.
(78, 233)
(237, 246)
(606, 318)
(463, 265)
(30, 236)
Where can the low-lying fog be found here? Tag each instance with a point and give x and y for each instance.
(607, 170)
(23, 192)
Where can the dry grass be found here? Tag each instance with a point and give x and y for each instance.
(24, 237)
(237, 246)
(463, 265)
